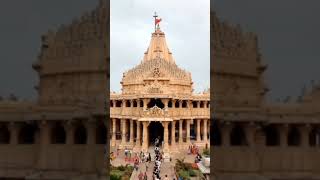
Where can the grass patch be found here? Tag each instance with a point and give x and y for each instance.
(121, 172)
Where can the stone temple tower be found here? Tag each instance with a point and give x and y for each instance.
(72, 65)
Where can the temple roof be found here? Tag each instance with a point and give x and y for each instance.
(158, 48)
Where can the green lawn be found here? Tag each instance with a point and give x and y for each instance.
(121, 173)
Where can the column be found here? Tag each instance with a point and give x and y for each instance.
(305, 130)
(145, 136)
(173, 133)
(114, 124)
(250, 134)
(180, 103)
(188, 131)
(131, 131)
(165, 102)
(174, 103)
(198, 130)
(165, 137)
(283, 130)
(225, 131)
(91, 131)
(180, 131)
(145, 102)
(198, 104)
(205, 130)
(89, 163)
(44, 141)
(68, 126)
(123, 134)
(138, 142)
(14, 131)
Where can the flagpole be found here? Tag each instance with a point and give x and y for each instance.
(155, 25)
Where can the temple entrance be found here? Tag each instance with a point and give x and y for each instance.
(155, 130)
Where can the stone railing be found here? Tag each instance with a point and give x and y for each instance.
(137, 112)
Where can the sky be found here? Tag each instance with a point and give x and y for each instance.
(22, 24)
(288, 33)
(187, 28)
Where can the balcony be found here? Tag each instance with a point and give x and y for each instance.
(180, 113)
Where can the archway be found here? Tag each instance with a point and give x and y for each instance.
(155, 102)
(27, 134)
(155, 130)
(58, 134)
(80, 135)
(4, 135)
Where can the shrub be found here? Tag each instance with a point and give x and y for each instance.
(206, 152)
(184, 174)
(192, 173)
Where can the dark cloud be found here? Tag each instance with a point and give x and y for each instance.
(22, 24)
(288, 32)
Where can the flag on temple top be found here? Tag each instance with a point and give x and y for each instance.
(157, 21)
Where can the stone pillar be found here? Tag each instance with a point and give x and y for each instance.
(173, 133)
(180, 103)
(188, 131)
(131, 103)
(305, 130)
(91, 131)
(250, 134)
(225, 132)
(89, 164)
(198, 104)
(123, 134)
(114, 126)
(145, 102)
(69, 128)
(44, 141)
(138, 141)
(123, 104)
(283, 130)
(198, 130)
(14, 133)
(165, 137)
(145, 137)
(131, 131)
(174, 103)
(205, 130)
(165, 102)
(180, 131)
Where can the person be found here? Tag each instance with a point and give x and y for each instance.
(156, 142)
(140, 176)
(166, 177)
(145, 177)
(149, 157)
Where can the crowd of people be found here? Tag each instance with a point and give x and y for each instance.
(157, 160)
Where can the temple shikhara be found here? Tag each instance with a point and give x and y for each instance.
(157, 101)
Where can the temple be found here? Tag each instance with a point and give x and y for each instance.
(157, 100)
(253, 138)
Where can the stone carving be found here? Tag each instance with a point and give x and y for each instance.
(154, 88)
(154, 112)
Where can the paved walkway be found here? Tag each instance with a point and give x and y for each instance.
(167, 168)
